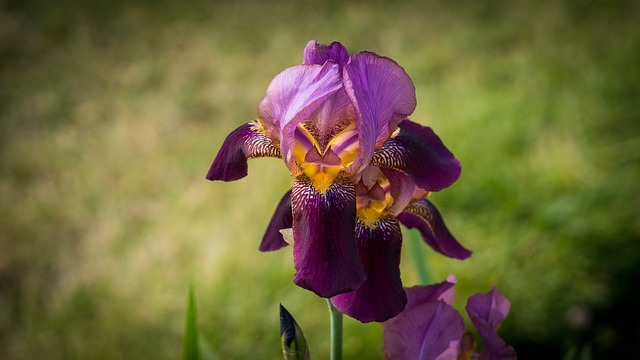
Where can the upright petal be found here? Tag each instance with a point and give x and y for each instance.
(421, 294)
(428, 328)
(324, 248)
(424, 216)
(282, 219)
(315, 53)
(419, 152)
(330, 118)
(381, 297)
(428, 331)
(291, 97)
(486, 312)
(244, 143)
(402, 189)
(382, 94)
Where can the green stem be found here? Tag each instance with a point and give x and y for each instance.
(336, 331)
(419, 257)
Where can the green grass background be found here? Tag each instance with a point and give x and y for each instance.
(112, 111)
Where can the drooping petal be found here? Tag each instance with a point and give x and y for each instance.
(315, 53)
(324, 248)
(486, 312)
(282, 219)
(427, 330)
(244, 143)
(419, 152)
(381, 297)
(382, 94)
(291, 97)
(424, 216)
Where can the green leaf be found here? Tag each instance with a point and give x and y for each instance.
(191, 350)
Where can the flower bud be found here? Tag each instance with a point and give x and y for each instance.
(294, 345)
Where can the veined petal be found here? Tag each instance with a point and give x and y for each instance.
(244, 143)
(330, 118)
(291, 97)
(421, 294)
(324, 248)
(381, 297)
(487, 311)
(315, 53)
(427, 331)
(282, 219)
(419, 152)
(382, 94)
(424, 216)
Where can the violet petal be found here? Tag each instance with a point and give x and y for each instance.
(291, 97)
(335, 112)
(282, 219)
(381, 297)
(315, 53)
(427, 331)
(426, 217)
(242, 144)
(382, 94)
(419, 152)
(486, 312)
(420, 294)
(324, 248)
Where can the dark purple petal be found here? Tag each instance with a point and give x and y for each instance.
(382, 94)
(424, 216)
(315, 53)
(419, 152)
(282, 219)
(291, 97)
(324, 248)
(427, 331)
(486, 312)
(242, 144)
(381, 297)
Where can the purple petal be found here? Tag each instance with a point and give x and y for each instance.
(421, 294)
(419, 152)
(486, 312)
(324, 248)
(424, 216)
(381, 297)
(291, 97)
(382, 94)
(427, 331)
(244, 143)
(282, 219)
(315, 53)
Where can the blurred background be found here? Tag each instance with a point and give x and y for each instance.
(112, 111)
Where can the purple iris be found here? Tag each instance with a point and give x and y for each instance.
(430, 328)
(360, 168)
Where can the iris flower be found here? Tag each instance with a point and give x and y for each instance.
(429, 328)
(360, 166)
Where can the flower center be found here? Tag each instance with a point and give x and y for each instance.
(324, 165)
(373, 195)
